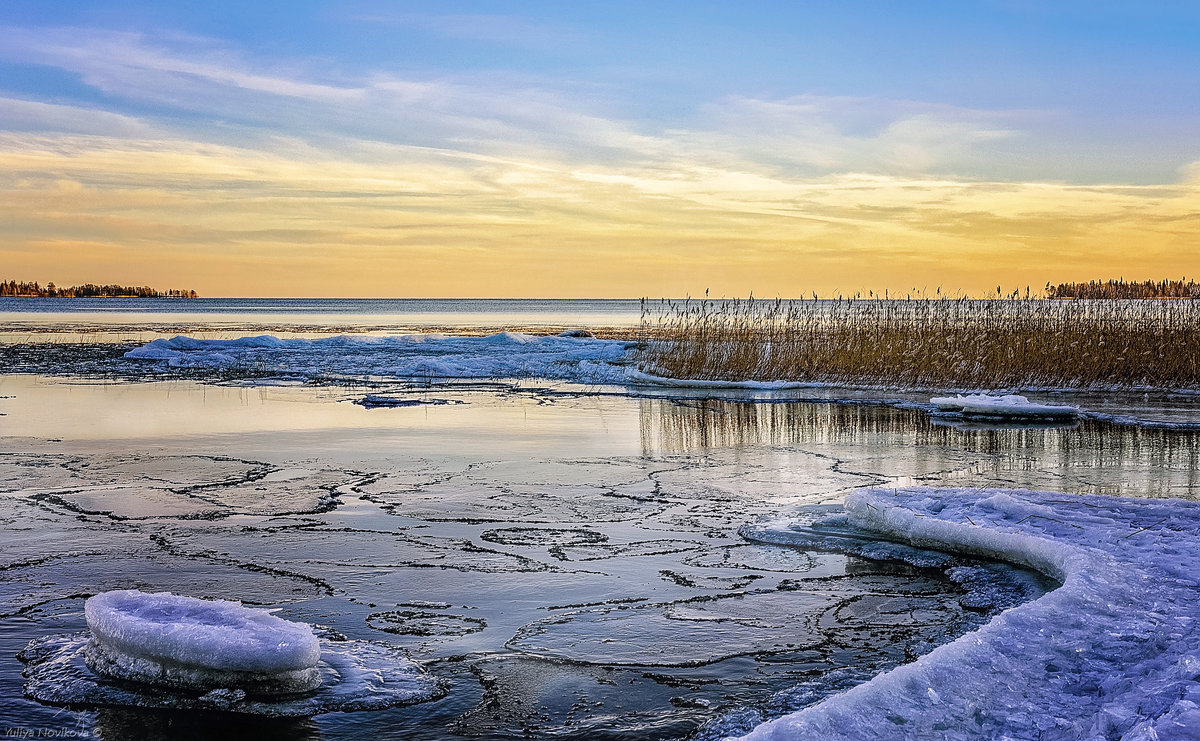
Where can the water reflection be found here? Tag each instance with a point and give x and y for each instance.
(155, 725)
(899, 444)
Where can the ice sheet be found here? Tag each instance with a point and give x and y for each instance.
(420, 356)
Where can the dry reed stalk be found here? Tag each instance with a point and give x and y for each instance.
(928, 342)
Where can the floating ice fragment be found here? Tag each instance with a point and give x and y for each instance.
(180, 642)
(1010, 406)
(355, 676)
(377, 401)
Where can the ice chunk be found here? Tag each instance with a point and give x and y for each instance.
(1008, 406)
(355, 676)
(187, 643)
(955, 403)
(427, 357)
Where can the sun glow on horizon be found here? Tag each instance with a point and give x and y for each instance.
(179, 159)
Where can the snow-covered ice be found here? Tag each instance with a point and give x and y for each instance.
(1112, 653)
(419, 356)
(176, 641)
(180, 652)
(1009, 406)
(354, 676)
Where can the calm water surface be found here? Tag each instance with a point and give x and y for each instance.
(118, 319)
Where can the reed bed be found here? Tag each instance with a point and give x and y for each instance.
(942, 342)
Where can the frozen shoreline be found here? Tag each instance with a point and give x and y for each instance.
(589, 362)
(1112, 653)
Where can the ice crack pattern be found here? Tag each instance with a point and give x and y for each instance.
(563, 564)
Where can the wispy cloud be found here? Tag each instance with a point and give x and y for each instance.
(135, 67)
(211, 161)
(435, 222)
(505, 115)
(815, 134)
(17, 114)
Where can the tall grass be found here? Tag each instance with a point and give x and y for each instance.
(1015, 342)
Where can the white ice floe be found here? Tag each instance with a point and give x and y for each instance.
(1007, 406)
(355, 676)
(175, 641)
(420, 356)
(1113, 653)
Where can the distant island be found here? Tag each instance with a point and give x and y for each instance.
(89, 290)
(1109, 289)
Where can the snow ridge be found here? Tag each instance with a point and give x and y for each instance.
(1114, 653)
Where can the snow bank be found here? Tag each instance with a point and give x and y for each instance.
(183, 642)
(1010, 406)
(422, 356)
(1112, 653)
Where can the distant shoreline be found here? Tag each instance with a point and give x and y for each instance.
(107, 295)
(13, 289)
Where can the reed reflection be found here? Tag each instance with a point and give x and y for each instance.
(1089, 457)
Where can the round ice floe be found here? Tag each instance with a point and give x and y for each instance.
(355, 676)
(182, 642)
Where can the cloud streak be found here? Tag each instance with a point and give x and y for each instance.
(208, 163)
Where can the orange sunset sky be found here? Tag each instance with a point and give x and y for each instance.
(597, 149)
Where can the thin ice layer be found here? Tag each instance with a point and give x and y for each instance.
(1113, 653)
(177, 641)
(423, 356)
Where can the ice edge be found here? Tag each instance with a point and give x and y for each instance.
(1112, 653)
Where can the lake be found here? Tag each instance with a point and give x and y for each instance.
(569, 554)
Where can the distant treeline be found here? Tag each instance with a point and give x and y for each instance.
(1124, 289)
(89, 290)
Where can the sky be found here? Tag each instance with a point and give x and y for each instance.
(598, 149)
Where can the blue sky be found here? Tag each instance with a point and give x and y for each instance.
(552, 133)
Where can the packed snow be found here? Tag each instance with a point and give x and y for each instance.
(420, 356)
(1112, 653)
(176, 641)
(1010, 406)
